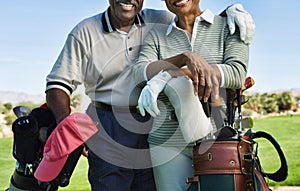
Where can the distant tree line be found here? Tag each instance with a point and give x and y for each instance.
(260, 103)
(272, 102)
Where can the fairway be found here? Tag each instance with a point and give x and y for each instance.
(78, 182)
(283, 128)
(286, 131)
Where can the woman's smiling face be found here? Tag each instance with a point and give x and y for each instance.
(182, 7)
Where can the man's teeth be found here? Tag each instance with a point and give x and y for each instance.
(181, 2)
(126, 5)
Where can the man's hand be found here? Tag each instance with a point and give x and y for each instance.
(85, 152)
(236, 14)
(148, 97)
(206, 77)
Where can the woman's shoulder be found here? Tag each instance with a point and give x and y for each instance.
(220, 20)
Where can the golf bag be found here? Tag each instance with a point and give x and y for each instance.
(230, 160)
(234, 164)
(31, 130)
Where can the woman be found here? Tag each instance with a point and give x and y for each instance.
(201, 41)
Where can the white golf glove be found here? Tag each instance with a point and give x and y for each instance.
(236, 14)
(148, 97)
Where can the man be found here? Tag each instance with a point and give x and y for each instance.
(98, 53)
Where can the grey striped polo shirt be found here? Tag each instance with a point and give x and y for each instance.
(210, 39)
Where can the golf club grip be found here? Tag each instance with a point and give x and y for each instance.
(206, 108)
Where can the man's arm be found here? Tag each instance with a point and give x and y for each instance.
(58, 102)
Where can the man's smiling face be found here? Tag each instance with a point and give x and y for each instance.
(125, 10)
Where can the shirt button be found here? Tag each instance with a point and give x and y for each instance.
(130, 49)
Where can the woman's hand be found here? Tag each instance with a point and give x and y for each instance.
(206, 78)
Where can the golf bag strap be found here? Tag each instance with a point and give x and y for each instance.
(259, 181)
(282, 173)
(25, 182)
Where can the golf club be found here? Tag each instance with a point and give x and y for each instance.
(21, 111)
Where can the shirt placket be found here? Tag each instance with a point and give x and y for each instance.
(194, 33)
(133, 42)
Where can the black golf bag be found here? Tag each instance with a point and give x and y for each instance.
(31, 131)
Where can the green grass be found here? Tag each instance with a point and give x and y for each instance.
(285, 129)
(7, 162)
(78, 180)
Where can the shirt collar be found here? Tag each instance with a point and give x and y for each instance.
(108, 27)
(207, 16)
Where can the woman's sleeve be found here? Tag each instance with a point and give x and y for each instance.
(236, 58)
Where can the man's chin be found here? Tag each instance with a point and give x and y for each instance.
(128, 15)
(127, 12)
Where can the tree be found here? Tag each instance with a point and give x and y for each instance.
(8, 106)
(254, 102)
(269, 103)
(9, 118)
(285, 101)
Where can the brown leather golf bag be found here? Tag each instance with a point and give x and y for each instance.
(230, 160)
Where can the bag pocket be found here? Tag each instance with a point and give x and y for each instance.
(26, 143)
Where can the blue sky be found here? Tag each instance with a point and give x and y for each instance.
(32, 34)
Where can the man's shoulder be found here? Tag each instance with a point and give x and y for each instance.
(89, 23)
(157, 16)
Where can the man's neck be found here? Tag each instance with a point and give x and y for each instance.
(124, 28)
